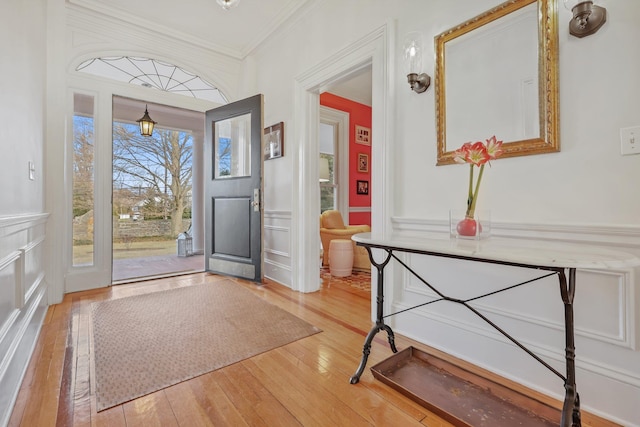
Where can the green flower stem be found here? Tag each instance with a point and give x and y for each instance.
(470, 196)
(474, 197)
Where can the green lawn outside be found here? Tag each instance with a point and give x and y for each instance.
(82, 254)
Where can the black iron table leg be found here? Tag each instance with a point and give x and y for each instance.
(571, 407)
(380, 325)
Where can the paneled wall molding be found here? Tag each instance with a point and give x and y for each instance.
(12, 224)
(622, 236)
(34, 287)
(275, 214)
(477, 329)
(274, 252)
(9, 259)
(625, 336)
(278, 265)
(546, 352)
(31, 255)
(277, 246)
(23, 302)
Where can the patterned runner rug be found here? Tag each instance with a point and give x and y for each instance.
(148, 342)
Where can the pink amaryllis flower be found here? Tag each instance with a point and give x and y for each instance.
(494, 147)
(477, 154)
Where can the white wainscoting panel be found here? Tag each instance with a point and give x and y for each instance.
(606, 314)
(23, 300)
(277, 246)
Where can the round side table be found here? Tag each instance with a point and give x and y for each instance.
(340, 257)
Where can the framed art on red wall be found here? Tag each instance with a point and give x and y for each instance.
(362, 187)
(363, 162)
(363, 135)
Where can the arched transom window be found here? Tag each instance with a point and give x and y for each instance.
(154, 74)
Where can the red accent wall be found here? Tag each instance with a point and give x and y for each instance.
(359, 115)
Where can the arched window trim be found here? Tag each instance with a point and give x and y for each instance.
(152, 73)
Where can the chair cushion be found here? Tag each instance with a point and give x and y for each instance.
(332, 219)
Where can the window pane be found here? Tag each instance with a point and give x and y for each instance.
(232, 147)
(83, 179)
(327, 198)
(328, 190)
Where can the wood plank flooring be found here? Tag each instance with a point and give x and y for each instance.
(305, 383)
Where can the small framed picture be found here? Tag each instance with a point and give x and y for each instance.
(363, 162)
(363, 135)
(274, 141)
(362, 187)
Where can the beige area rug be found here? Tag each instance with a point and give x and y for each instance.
(148, 342)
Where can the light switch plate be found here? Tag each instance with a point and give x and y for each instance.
(630, 140)
(32, 171)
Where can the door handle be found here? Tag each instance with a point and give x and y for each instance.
(256, 200)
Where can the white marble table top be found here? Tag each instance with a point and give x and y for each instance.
(540, 253)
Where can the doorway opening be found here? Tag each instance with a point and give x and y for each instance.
(345, 107)
(154, 202)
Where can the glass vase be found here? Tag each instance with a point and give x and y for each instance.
(475, 228)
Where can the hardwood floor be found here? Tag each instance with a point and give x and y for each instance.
(305, 383)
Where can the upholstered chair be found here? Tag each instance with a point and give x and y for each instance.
(332, 227)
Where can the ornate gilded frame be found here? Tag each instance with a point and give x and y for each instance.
(548, 79)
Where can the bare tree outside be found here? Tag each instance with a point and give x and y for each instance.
(83, 151)
(153, 170)
(83, 183)
(328, 189)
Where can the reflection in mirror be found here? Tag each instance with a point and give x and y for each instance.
(496, 74)
(232, 147)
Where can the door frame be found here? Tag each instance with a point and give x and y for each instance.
(98, 275)
(375, 50)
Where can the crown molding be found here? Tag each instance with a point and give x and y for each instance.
(289, 15)
(104, 10)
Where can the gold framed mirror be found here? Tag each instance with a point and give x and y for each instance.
(497, 74)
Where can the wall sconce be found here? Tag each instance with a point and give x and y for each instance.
(227, 4)
(587, 17)
(324, 170)
(146, 124)
(413, 53)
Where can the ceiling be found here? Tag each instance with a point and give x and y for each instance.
(235, 32)
(357, 88)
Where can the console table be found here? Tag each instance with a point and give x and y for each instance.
(550, 258)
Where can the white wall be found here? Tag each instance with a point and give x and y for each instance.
(22, 44)
(587, 192)
(23, 288)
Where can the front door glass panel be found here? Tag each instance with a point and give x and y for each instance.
(232, 147)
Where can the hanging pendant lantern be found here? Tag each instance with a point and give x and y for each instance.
(146, 124)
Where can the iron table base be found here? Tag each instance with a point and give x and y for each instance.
(566, 279)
